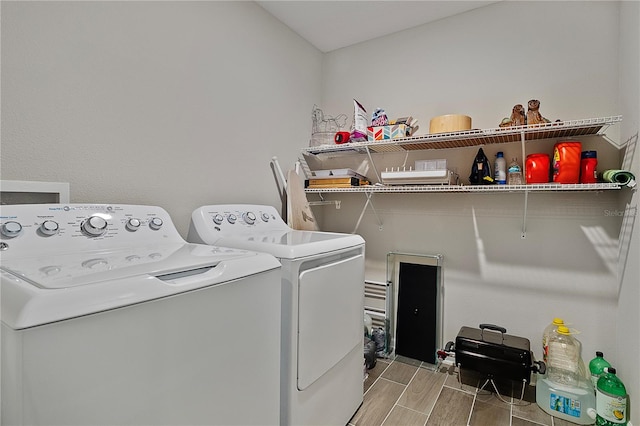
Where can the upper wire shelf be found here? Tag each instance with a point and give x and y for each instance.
(563, 129)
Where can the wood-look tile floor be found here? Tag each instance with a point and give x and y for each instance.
(406, 392)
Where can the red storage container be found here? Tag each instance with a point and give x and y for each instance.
(566, 162)
(537, 168)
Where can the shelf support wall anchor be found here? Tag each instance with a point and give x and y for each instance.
(523, 235)
(368, 203)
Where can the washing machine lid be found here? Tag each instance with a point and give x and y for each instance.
(39, 290)
(293, 244)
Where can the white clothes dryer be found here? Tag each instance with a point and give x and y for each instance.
(322, 307)
(110, 318)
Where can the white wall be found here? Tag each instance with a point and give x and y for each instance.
(481, 63)
(628, 317)
(176, 104)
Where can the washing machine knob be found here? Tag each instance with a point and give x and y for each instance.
(49, 227)
(50, 270)
(133, 224)
(11, 229)
(232, 218)
(249, 218)
(217, 219)
(155, 223)
(94, 226)
(265, 217)
(98, 263)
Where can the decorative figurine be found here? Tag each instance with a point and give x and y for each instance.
(517, 117)
(533, 114)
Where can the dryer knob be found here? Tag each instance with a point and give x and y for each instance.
(49, 227)
(249, 218)
(265, 217)
(155, 223)
(133, 224)
(217, 219)
(11, 229)
(232, 218)
(94, 226)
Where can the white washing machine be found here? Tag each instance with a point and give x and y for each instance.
(322, 307)
(109, 318)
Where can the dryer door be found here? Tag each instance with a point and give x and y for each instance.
(330, 316)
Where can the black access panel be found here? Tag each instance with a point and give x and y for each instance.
(416, 327)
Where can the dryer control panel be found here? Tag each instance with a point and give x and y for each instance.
(260, 228)
(236, 219)
(36, 228)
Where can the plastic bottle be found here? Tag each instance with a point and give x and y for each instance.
(563, 359)
(597, 366)
(500, 170)
(537, 168)
(566, 162)
(368, 325)
(588, 166)
(576, 404)
(514, 176)
(545, 336)
(611, 400)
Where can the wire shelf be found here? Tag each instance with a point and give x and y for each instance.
(563, 129)
(471, 188)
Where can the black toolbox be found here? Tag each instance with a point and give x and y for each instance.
(488, 350)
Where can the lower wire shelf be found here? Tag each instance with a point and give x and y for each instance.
(602, 186)
(369, 190)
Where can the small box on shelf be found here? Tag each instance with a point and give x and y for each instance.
(378, 133)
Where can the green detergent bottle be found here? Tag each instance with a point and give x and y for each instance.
(596, 368)
(611, 400)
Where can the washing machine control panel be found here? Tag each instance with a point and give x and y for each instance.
(239, 219)
(32, 227)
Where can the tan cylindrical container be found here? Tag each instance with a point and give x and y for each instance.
(449, 123)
